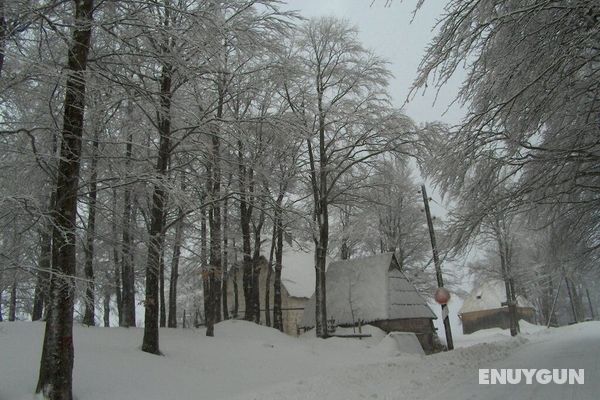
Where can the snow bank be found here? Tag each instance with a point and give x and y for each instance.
(110, 365)
(245, 361)
(496, 335)
(398, 343)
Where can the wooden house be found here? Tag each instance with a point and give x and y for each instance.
(297, 285)
(373, 290)
(484, 309)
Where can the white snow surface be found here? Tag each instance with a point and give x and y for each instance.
(489, 296)
(398, 343)
(246, 361)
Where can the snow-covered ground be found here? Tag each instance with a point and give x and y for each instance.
(246, 361)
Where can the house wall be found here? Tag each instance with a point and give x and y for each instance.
(292, 307)
(422, 327)
(496, 318)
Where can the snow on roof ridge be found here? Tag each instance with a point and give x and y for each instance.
(359, 289)
(489, 295)
(297, 270)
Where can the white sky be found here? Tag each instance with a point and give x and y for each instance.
(388, 31)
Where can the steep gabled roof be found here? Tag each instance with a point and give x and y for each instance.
(368, 289)
(489, 296)
(298, 272)
(297, 269)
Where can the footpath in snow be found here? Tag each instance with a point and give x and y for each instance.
(246, 361)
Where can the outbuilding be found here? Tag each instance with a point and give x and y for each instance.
(297, 285)
(485, 308)
(374, 290)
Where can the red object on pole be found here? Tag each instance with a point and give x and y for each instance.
(442, 295)
(438, 270)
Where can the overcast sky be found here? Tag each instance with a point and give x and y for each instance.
(388, 31)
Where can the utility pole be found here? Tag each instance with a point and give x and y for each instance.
(587, 292)
(571, 299)
(554, 302)
(438, 269)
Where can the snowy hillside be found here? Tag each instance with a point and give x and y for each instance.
(246, 361)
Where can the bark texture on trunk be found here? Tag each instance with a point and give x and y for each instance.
(277, 312)
(257, 262)
(206, 277)
(511, 299)
(161, 277)
(172, 323)
(246, 208)
(89, 316)
(116, 278)
(236, 289)
(224, 261)
(106, 309)
(127, 270)
(269, 276)
(12, 305)
(150, 343)
(56, 367)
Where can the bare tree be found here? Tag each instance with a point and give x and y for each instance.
(56, 367)
(345, 118)
(531, 90)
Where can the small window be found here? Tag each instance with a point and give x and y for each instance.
(479, 297)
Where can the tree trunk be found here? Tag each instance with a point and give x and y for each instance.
(161, 280)
(321, 244)
(127, 270)
(157, 214)
(224, 261)
(277, 312)
(116, 262)
(245, 182)
(56, 366)
(268, 277)
(247, 267)
(206, 277)
(256, 267)
(572, 296)
(318, 178)
(90, 313)
(236, 291)
(175, 270)
(106, 307)
(509, 285)
(12, 306)
(214, 218)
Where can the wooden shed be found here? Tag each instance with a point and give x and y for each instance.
(373, 290)
(483, 308)
(297, 285)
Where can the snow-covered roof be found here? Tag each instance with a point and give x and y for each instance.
(489, 296)
(368, 289)
(298, 272)
(297, 269)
